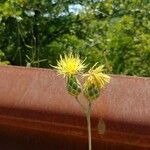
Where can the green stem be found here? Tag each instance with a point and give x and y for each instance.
(88, 116)
(87, 112)
(82, 106)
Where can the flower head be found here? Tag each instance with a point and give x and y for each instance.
(96, 77)
(69, 65)
(95, 80)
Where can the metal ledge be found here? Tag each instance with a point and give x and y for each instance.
(34, 102)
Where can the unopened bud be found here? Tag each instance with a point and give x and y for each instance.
(73, 86)
(91, 92)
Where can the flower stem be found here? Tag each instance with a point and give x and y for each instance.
(88, 116)
(87, 112)
(82, 106)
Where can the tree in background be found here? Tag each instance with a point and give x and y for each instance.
(116, 33)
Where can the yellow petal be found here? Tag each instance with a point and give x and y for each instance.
(96, 77)
(70, 65)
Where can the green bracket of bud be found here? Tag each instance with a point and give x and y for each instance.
(73, 86)
(91, 92)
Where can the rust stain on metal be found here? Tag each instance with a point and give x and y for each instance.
(36, 100)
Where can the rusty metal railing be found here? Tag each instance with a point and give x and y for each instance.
(36, 112)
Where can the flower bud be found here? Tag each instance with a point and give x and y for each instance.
(91, 92)
(73, 86)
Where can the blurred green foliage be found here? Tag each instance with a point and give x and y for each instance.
(114, 33)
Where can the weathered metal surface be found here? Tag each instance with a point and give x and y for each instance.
(34, 106)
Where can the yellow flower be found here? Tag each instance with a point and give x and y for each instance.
(69, 65)
(96, 77)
